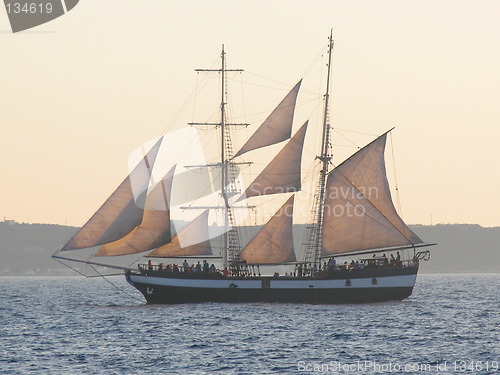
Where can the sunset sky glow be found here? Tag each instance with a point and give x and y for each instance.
(80, 93)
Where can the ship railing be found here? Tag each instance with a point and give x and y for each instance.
(424, 255)
(175, 268)
(381, 262)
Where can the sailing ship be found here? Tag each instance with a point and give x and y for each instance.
(353, 215)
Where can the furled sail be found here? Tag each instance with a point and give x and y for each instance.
(282, 174)
(121, 212)
(277, 127)
(154, 229)
(191, 240)
(359, 213)
(274, 242)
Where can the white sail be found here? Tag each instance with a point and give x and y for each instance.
(282, 174)
(277, 127)
(191, 240)
(359, 213)
(154, 229)
(274, 242)
(121, 212)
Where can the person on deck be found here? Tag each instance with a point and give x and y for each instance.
(398, 260)
(332, 264)
(372, 263)
(392, 263)
(185, 265)
(150, 265)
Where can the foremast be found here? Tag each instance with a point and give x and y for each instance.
(230, 247)
(314, 247)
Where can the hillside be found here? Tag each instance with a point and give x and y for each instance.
(25, 249)
(462, 248)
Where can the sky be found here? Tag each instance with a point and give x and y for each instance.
(80, 93)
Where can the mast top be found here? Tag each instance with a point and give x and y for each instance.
(314, 252)
(222, 68)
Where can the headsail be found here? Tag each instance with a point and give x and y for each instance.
(191, 240)
(154, 230)
(274, 243)
(121, 212)
(282, 174)
(359, 213)
(277, 127)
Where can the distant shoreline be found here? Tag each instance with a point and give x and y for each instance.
(25, 249)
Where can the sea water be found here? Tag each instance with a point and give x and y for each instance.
(450, 325)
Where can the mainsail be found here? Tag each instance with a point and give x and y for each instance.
(282, 174)
(192, 240)
(154, 229)
(359, 213)
(121, 212)
(277, 127)
(274, 243)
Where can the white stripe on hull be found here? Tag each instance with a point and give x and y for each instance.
(381, 282)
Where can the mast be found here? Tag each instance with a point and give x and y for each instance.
(314, 251)
(224, 160)
(229, 237)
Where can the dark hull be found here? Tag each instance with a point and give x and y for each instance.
(339, 288)
(175, 295)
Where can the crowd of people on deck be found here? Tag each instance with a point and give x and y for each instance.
(185, 267)
(202, 267)
(374, 262)
(301, 269)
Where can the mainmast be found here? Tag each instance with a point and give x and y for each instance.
(314, 250)
(224, 159)
(229, 237)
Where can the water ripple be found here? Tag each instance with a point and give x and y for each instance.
(80, 326)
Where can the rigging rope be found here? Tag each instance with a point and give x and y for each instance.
(343, 136)
(195, 95)
(199, 86)
(99, 275)
(118, 288)
(67, 265)
(395, 179)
